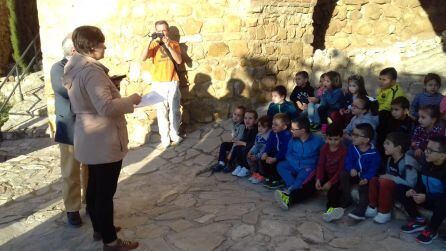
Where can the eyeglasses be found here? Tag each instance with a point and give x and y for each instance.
(430, 151)
(357, 135)
(295, 130)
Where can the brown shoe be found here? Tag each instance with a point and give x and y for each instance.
(122, 245)
(98, 236)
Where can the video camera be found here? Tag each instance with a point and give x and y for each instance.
(156, 35)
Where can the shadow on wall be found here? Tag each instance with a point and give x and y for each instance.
(324, 9)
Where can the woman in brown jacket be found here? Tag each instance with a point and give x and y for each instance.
(100, 132)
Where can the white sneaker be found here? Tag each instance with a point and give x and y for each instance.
(333, 214)
(177, 142)
(236, 170)
(382, 218)
(371, 212)
(243, 172)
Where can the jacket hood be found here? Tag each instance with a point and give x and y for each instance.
(76, 64)
(410, 161)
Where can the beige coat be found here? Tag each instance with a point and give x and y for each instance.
(100, 130)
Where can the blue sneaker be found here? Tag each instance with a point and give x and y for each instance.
(427, 236)
(227, 169)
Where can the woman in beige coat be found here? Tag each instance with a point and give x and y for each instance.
(100, 133)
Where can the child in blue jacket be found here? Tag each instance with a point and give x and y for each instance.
(361, 164)
(298, 170)
(430, 193)
(332, 99)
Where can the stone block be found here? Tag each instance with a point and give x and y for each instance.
(218, 49)
(205, 10)
(372, 11)
(271, 30)
(219, 73)
(213, 26)
(341, 43)
(268, 82)
(232, 23)
(238, 48)
(392, 11)
(180, 10)
(260, 33)
(335, 27)
(354, 15)
(363, 28)
(283, 64)
(192, 26)
(251, 21)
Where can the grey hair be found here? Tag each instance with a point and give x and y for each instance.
(67, 46)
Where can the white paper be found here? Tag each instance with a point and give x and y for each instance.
(150, 98)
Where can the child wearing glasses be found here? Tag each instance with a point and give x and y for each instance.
(361, 114)
(429, 193)
(361, 163)
(302, 91)
(429, 126)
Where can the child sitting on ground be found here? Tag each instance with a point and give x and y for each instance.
(254, 155)
(332, 99)
(400, 170)
(330, 164)
(302, 91)
(430, 95)
(361, 163)
(279, 103)
(275, 150)
(430, 193)
(242, 146)
(361, 114)
(299, 167)
(428, 119)
(237, 133)
(399, 122)
(314, 103)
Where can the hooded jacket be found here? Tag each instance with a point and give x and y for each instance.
(277, 144)
(286, 107)
(304, 154)
(407, 173)
(433, 180)
(100, 130)
(365, 163)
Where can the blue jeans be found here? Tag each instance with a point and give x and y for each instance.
(313, 115)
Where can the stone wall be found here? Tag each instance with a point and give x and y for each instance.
(5, 42)
(236, 51)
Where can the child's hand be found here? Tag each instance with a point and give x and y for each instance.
(318, 185)
(342, 111)
(240, 143)
(353, 173)
(410, 193)
(418, 153)
(385, 176)
(326, 186)
(363, 182)
(305, 106)
(264, 156)
(419, 198)
(270, 160)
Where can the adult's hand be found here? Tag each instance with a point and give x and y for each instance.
(135, 98)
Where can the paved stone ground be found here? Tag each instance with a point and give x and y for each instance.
(167, 202)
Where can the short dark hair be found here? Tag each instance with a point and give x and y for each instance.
(160, 22)
(303, 123)
(265, 121)
(284, 118)
(432, 76)
(241, 107)
(256, 115)
(441, 140)
(334, 130)
(403, 102)
(367, 130)
(389, 71)
(432, 110)
(280, 89)
(86, 38)
(303, 74)
(335, 78)
(399, 139)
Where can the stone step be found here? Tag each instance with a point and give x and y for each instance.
(23, 126)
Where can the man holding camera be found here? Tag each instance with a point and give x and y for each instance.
(166, 55)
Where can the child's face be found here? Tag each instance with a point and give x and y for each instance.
(432, 87)
(358, 138)
(321, 82)
(390, 148)
(237, 116)
(327, 82)
(398, 112)
(278, 125)
(358, 107)
(433, 153)
(250, 120)
(300, 81)
(385, 81)
(262, 129)
(353, 88)
(425, 120)
(334, 141)
(276, 98)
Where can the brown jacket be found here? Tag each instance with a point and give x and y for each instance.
(100, 130)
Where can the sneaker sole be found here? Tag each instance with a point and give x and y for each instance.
(427, 242)
(278, 199)
(415, 230)
(355, 217)
(336, 214)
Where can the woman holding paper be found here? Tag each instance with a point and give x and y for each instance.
(100, 134)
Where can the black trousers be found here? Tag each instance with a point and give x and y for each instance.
(437, 205)
(307, 191)
(241, 153)
(346, 182)
(334, 196)
(270, 171)
(102, 183)
(225, 147)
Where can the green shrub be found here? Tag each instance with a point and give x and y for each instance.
(15, 36)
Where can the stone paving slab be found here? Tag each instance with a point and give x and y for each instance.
(167, 201)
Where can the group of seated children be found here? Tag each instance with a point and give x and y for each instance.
(392, 150)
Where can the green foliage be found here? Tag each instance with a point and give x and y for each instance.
(15, 36)
(5, 112)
